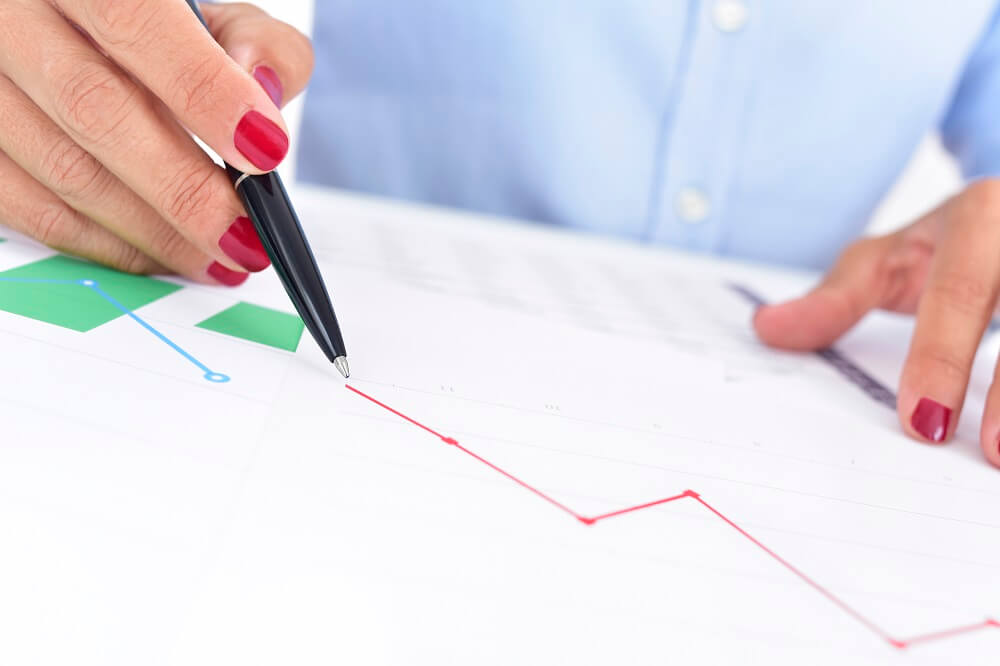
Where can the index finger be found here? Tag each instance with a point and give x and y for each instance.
(164, 46)
(955, 308)
(858, 283)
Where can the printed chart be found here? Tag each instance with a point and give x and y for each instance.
(554, 450)
(900, 643)
(81, 296)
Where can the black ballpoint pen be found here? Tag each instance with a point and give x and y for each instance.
(278, 226)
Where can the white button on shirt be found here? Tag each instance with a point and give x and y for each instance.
(730, 15)
(693, 205)
(771, 107)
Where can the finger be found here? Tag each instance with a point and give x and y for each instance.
(165, 47)
(276, 54)
(27, 207)
(989, 434)
(126, 130)
(47, 154)
(861, 280)
(954, 311)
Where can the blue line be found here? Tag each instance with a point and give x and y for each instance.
(210, 375)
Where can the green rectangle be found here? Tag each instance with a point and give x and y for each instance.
(50, 290)
(258, 324)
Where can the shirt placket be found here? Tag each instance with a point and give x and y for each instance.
(705, 130)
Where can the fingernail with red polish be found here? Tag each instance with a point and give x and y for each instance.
(269, 81)
(261, 141)
(228, 277)
(931, 420)
(242, 244)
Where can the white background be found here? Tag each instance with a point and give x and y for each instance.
(929, 178)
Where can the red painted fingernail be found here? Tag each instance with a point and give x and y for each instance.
(269, 81)
(931, 420)
(228, 277)
(243, 245)
(261, 141)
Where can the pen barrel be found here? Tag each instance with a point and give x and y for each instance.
(280, 231)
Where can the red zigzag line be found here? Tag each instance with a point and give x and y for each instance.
(690, 494)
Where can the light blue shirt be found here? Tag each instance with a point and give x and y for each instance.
(766, 129)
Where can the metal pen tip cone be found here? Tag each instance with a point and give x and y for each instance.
(341, 364)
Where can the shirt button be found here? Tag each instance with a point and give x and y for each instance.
(730, 15)
(693, 205)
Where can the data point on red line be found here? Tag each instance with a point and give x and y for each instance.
(805, 578)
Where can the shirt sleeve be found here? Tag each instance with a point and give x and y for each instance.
(970, 129)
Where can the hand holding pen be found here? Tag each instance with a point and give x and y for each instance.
(94, 155)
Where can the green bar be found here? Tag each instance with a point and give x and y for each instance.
(75, 306)
(258, 324)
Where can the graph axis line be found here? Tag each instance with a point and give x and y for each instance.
(95, 287)
(847, 609)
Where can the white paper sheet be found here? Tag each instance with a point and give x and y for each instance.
(150, 516)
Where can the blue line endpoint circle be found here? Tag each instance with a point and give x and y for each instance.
(216, 377)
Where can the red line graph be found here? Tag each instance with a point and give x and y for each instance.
(899, 643)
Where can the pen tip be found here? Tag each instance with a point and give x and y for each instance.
(341, 364)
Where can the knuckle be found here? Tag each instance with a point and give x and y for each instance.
(308, 58)
(69, 169)
(94, 102)
(200, 85)
(120, 23)
(129, 259)
(51, 225)
(302, 46)
(940, 362)
(167, 244)
(298, 58)
(186, 195)
(961, 293)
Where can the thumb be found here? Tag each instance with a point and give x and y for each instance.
(858, 282)
(276, 54)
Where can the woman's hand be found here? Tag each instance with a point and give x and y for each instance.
(945, 268)
(95, 96)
